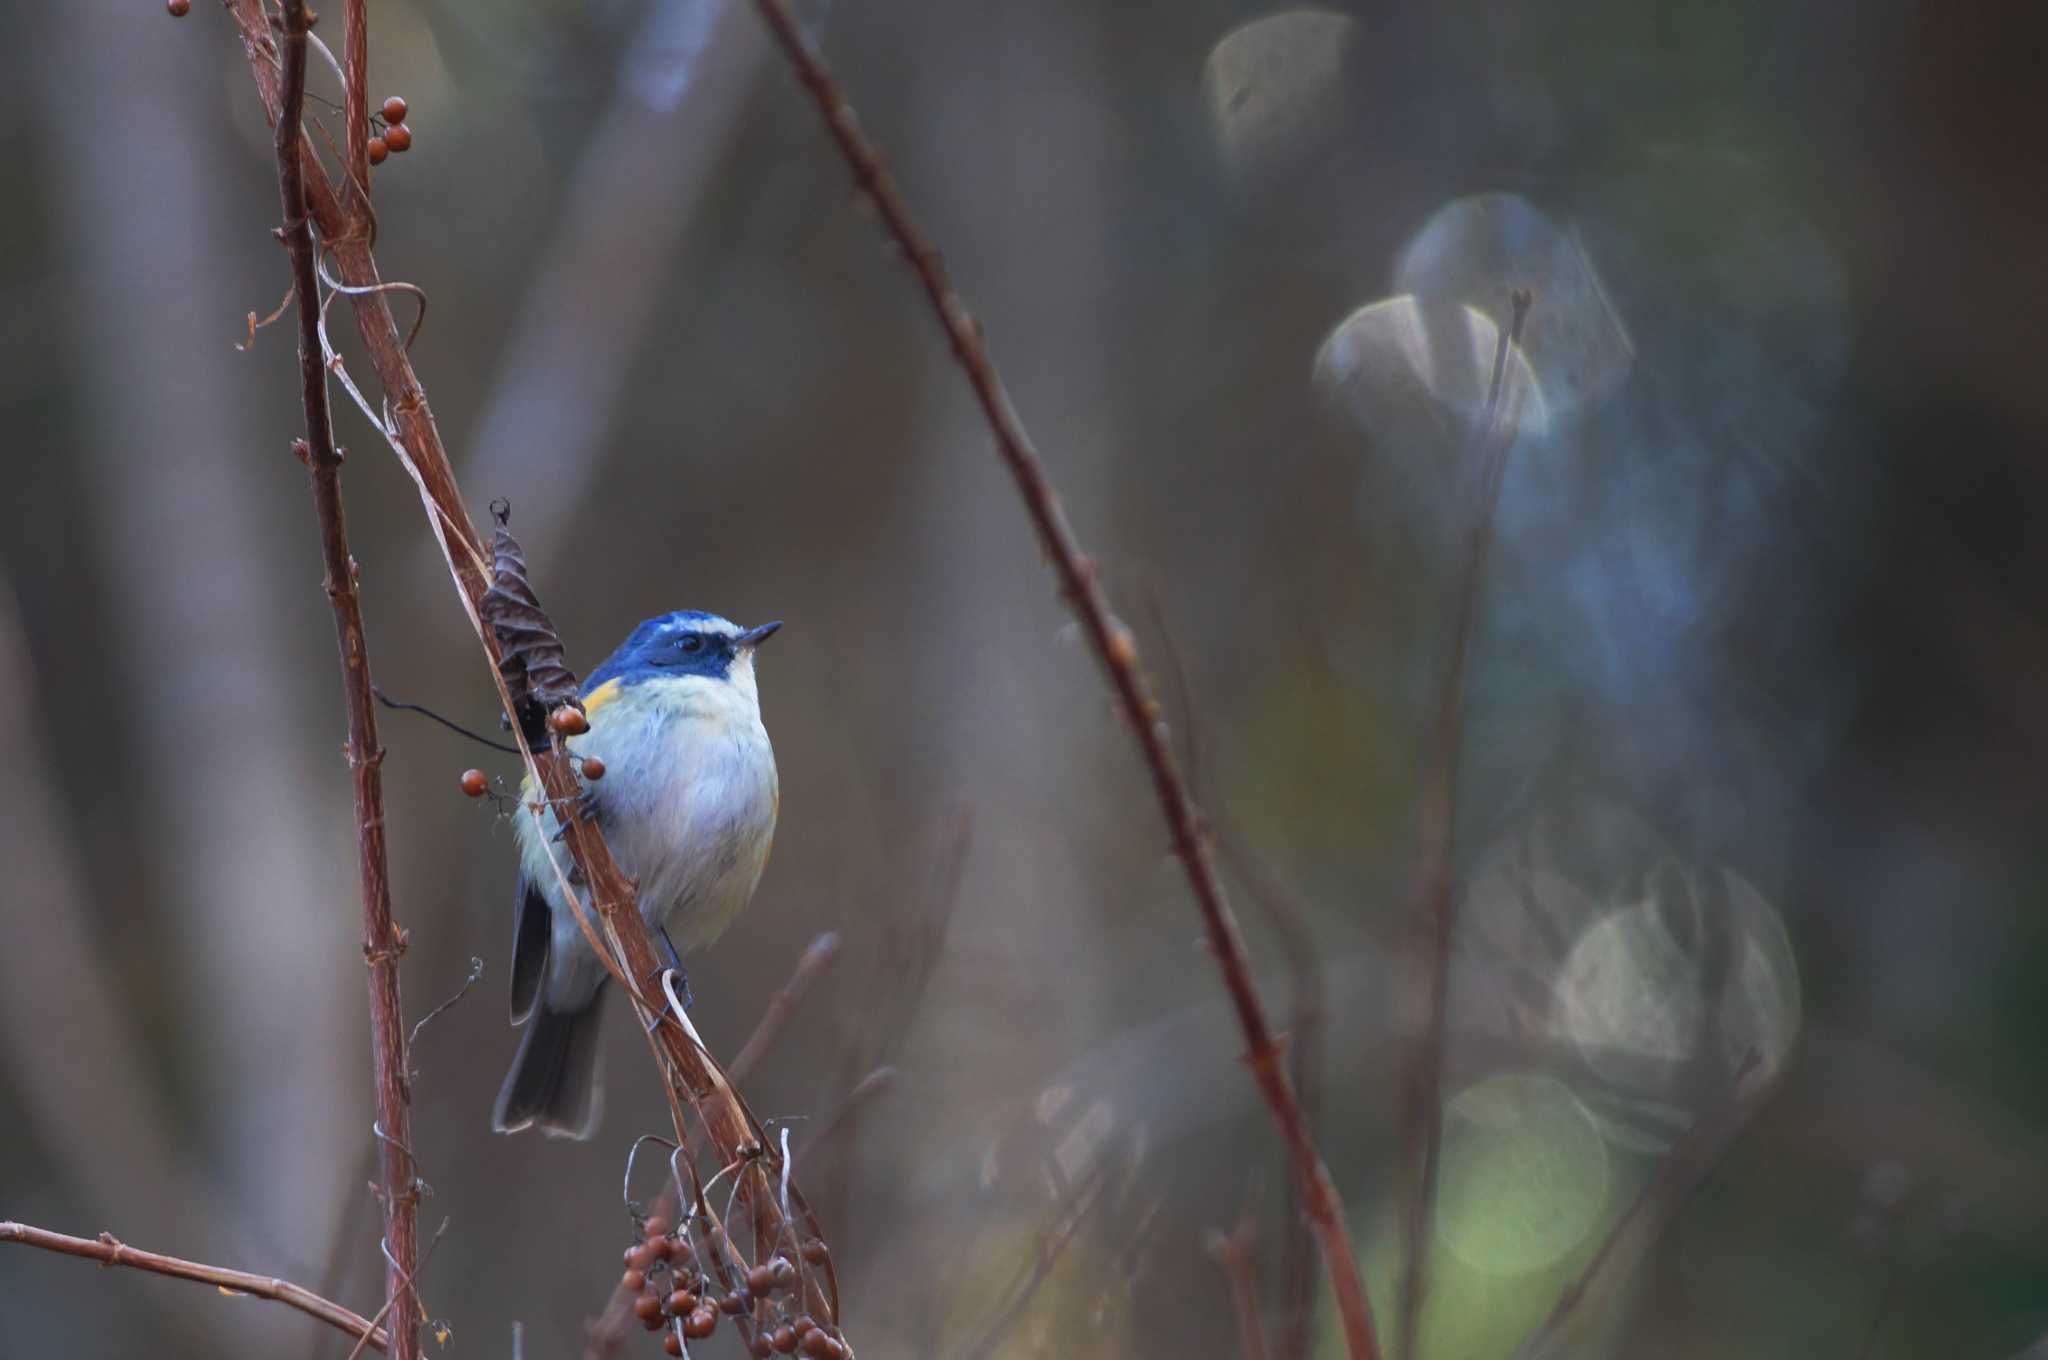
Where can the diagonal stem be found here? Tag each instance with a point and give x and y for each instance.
(1114, 646)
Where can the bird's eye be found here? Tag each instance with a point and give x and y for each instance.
(693, 643)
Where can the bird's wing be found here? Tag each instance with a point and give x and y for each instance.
(531, 932)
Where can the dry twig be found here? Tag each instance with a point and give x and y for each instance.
(1113, 644)
(110, 1251)
(1422, 1107)
(383, 941)
(1288, 917)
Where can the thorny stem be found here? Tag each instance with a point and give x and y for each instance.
(1288, 917)
(110, 1251)
(1112, 642)
(383, 941)
(1422, 1107)
(408, 423)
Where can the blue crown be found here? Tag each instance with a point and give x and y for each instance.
(687, 642)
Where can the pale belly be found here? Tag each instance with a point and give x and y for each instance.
(688, 806)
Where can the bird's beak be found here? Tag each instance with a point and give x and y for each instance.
(754, 637)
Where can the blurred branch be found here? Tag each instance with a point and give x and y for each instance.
(408, 425)
(383, 941)
(820, 956)
(1052, 1244)
(1118, 651)
(1690, 1159)
(1422, 1123)
(1232, 1252)
(590, 303)
(67, 974)
(110, 1251)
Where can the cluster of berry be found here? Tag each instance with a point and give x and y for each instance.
(396, 136)
(678, 1299)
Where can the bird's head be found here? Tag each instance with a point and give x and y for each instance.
(685, 643)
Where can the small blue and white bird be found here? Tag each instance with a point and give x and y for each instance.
(687, 804)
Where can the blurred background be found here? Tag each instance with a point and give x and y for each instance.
(1752, 767)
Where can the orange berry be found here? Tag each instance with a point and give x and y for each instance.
(394, 110)
(733, 1303)
(640, 1257)
(648, 1309)
(398, 137)
(701, 1323)
(633, 1281)
(568, 721)
(657, 1226)
(178, 8)
(593, 768)
(378, 150)
(783, 1339)
(816, 1252)
(682, 1303)
(475, 784)
(820, 1344)
(672, 1343)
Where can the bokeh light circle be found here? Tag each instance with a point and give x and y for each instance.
(1524, 1175)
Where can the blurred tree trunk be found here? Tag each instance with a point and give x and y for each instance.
(237, 780)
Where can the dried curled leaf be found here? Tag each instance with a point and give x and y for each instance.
(531, 656)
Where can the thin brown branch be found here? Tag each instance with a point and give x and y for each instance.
(110, 1251)
(383, 941)
(1232, 1252)
(1422, 1106)
(631, 957)
(816, 959)
(1287, 915)
(1113, 644)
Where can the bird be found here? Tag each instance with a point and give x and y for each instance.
(687, 803)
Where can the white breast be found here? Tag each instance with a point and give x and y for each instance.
(688, 803)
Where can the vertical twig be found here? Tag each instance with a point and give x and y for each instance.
(383, 942)
(1422, 1107)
